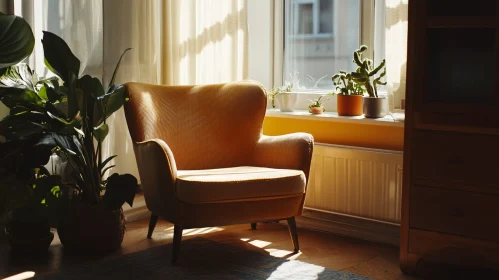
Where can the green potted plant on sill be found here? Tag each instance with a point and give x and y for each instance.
(96, 202)
(348, 94)
(365, 75)
(286, 99)
(316, 106)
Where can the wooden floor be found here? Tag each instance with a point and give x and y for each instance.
(373, 260)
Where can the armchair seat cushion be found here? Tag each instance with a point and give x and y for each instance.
(236, 183)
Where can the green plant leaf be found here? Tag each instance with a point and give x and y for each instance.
(111, 83)
(91, 86)
(66, 127)
(106, 169)
(103, 164)
(59, 58)
(101, 132)
(19, 76)
(49, 94)
(119, 189)
(16, 40)
(114, 100)
(16, 96)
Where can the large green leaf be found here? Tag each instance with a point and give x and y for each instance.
(111, 83)
(16, 40)
(91, 86)
(50, 94)
(114, 100)
(19, 129)
(59, 58)
(19, 76)
(119, 189)
(66, 127)
(16, 96)
(101, 132)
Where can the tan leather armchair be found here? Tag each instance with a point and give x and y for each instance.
(203, 160)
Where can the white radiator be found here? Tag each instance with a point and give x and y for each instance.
(365, 183)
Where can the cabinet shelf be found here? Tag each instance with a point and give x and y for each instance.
(460, 21)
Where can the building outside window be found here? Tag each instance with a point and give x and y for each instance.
(319, 39)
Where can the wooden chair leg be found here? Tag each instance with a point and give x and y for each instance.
(253, 226)
(177, 239)
(294, 233)
(152, 225)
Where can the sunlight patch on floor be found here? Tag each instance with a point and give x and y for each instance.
(278, 253)
(294, 270)
(259, 243)
(195, 231)
(21, 276)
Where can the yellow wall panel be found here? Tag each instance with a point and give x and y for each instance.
(340, 133)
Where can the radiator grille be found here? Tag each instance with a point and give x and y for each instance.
(354, 181)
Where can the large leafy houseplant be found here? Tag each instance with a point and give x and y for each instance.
(16, 40)
(89, 105)
(63, 114)
(96, 201)
(28, 192)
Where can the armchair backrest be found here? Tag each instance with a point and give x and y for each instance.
(207, 126)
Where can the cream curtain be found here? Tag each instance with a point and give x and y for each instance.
(174, 42)
(207, 41)
(79, 23)
(396, 52)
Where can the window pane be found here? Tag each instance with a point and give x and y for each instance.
(326, 16)
(319, 54)
(305, 19)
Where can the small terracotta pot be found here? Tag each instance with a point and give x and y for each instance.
(317, 110)
(349, 105)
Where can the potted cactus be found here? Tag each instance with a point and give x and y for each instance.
(349, 94)
(367, 76)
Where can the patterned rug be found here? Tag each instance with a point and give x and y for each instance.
(200, 259)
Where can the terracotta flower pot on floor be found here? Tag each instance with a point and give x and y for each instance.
(92, 228)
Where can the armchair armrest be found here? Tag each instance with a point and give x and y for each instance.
(290, 151)
(158, 173)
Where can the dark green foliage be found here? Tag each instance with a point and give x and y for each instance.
(16, 40)
(63, 115)
(92, 105)
(119, 189)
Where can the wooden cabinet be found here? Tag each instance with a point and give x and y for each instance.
(450, 199)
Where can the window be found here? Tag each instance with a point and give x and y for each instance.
(319, 39)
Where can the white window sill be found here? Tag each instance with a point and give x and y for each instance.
(388, 120)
